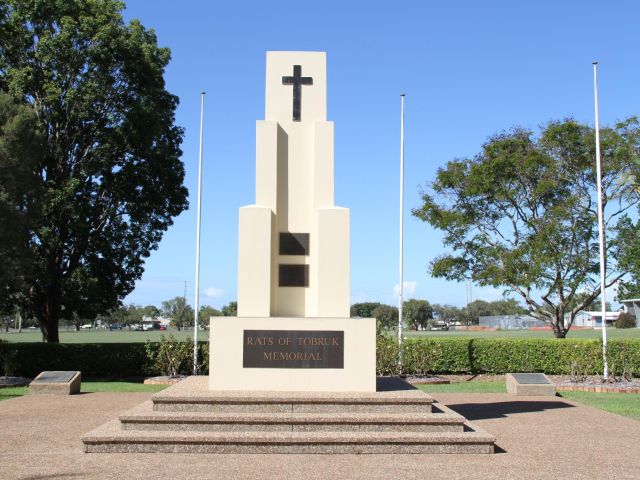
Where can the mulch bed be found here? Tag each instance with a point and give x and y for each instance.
(14, 381)
(591, 383)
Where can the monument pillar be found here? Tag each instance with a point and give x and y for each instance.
(293, 330)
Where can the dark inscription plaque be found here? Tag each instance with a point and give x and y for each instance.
(530, 378)
(293, 276)
(293, 349)
(55, 376)
(294, 243)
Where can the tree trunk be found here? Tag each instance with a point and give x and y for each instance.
(559, 329)
(49, 317)
(49, 327)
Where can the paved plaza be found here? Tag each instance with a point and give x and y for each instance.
(538, 437)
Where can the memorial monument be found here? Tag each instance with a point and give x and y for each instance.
(292, 373)
(293, 330)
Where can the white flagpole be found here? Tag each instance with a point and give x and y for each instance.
(198, 216)
(603, 265)
(400, 295)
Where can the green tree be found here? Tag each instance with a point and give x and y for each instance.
(625, 320)
(230, 310)
(627, 289)
(363, 310)
(417, 313)
(507, 306)
(21, 148)
(150, 311)
(206, 312)
(476, 309)
(595, 306)
(522, 214)
(447, 313)
(110, 179)
(180, 313)
(386, 316)
(126, 315)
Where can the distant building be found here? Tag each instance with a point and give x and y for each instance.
(632, 306)
(510, 322)
(594, 319)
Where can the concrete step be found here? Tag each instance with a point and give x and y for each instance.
(193, 395)
(110, 438)
(143, 417)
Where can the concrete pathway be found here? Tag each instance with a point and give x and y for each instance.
(538, 438)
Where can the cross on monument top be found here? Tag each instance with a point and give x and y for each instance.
(297, 80)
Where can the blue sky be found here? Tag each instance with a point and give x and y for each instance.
(468, 69)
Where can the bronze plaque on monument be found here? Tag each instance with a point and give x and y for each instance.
(293, 349)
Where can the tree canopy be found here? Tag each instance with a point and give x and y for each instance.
(104, 178)
(363, 310)
(417, 313)
(179, 311)
(522, 214)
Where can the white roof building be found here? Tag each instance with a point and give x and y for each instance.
(594, 319)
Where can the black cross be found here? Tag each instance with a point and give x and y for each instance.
(297, 80)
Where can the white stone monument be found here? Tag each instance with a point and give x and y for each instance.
(293, 330)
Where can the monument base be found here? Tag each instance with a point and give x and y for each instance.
(292, 354)
(190, 418)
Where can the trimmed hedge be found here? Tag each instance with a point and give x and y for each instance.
(420, 356)
(502, 355)
(94, 360)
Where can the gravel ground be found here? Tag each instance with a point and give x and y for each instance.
(538, 438)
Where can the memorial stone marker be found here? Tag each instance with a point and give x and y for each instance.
(55, 382)
(293, 330)
(529, 384)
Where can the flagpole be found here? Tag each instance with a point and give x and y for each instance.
(198, 216)
(601, 232)
(400, 295)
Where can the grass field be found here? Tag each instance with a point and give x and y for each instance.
(626, 404)
(475, 386)
(587, 333)
(87, 387)
(104, 336)
(125, 336)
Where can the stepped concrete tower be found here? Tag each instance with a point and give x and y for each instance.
(293, 257)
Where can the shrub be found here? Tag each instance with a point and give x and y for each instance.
(441, 355)
(386, 353)
(8, 357)
(95, 360)
(170, 356)
(625, 320)
(174, 357)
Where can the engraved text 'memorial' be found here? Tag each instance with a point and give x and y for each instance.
(297, 81)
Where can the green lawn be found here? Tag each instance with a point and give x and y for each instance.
(587, 333)
(103, 336)
(626, 404)
(479, 386)
(125, 336)
(13, 392)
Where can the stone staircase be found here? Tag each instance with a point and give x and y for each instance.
(188, 418)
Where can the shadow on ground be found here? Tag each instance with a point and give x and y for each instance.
(483, 411)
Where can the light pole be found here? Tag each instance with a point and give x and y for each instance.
(198, 216)
(603, 265)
